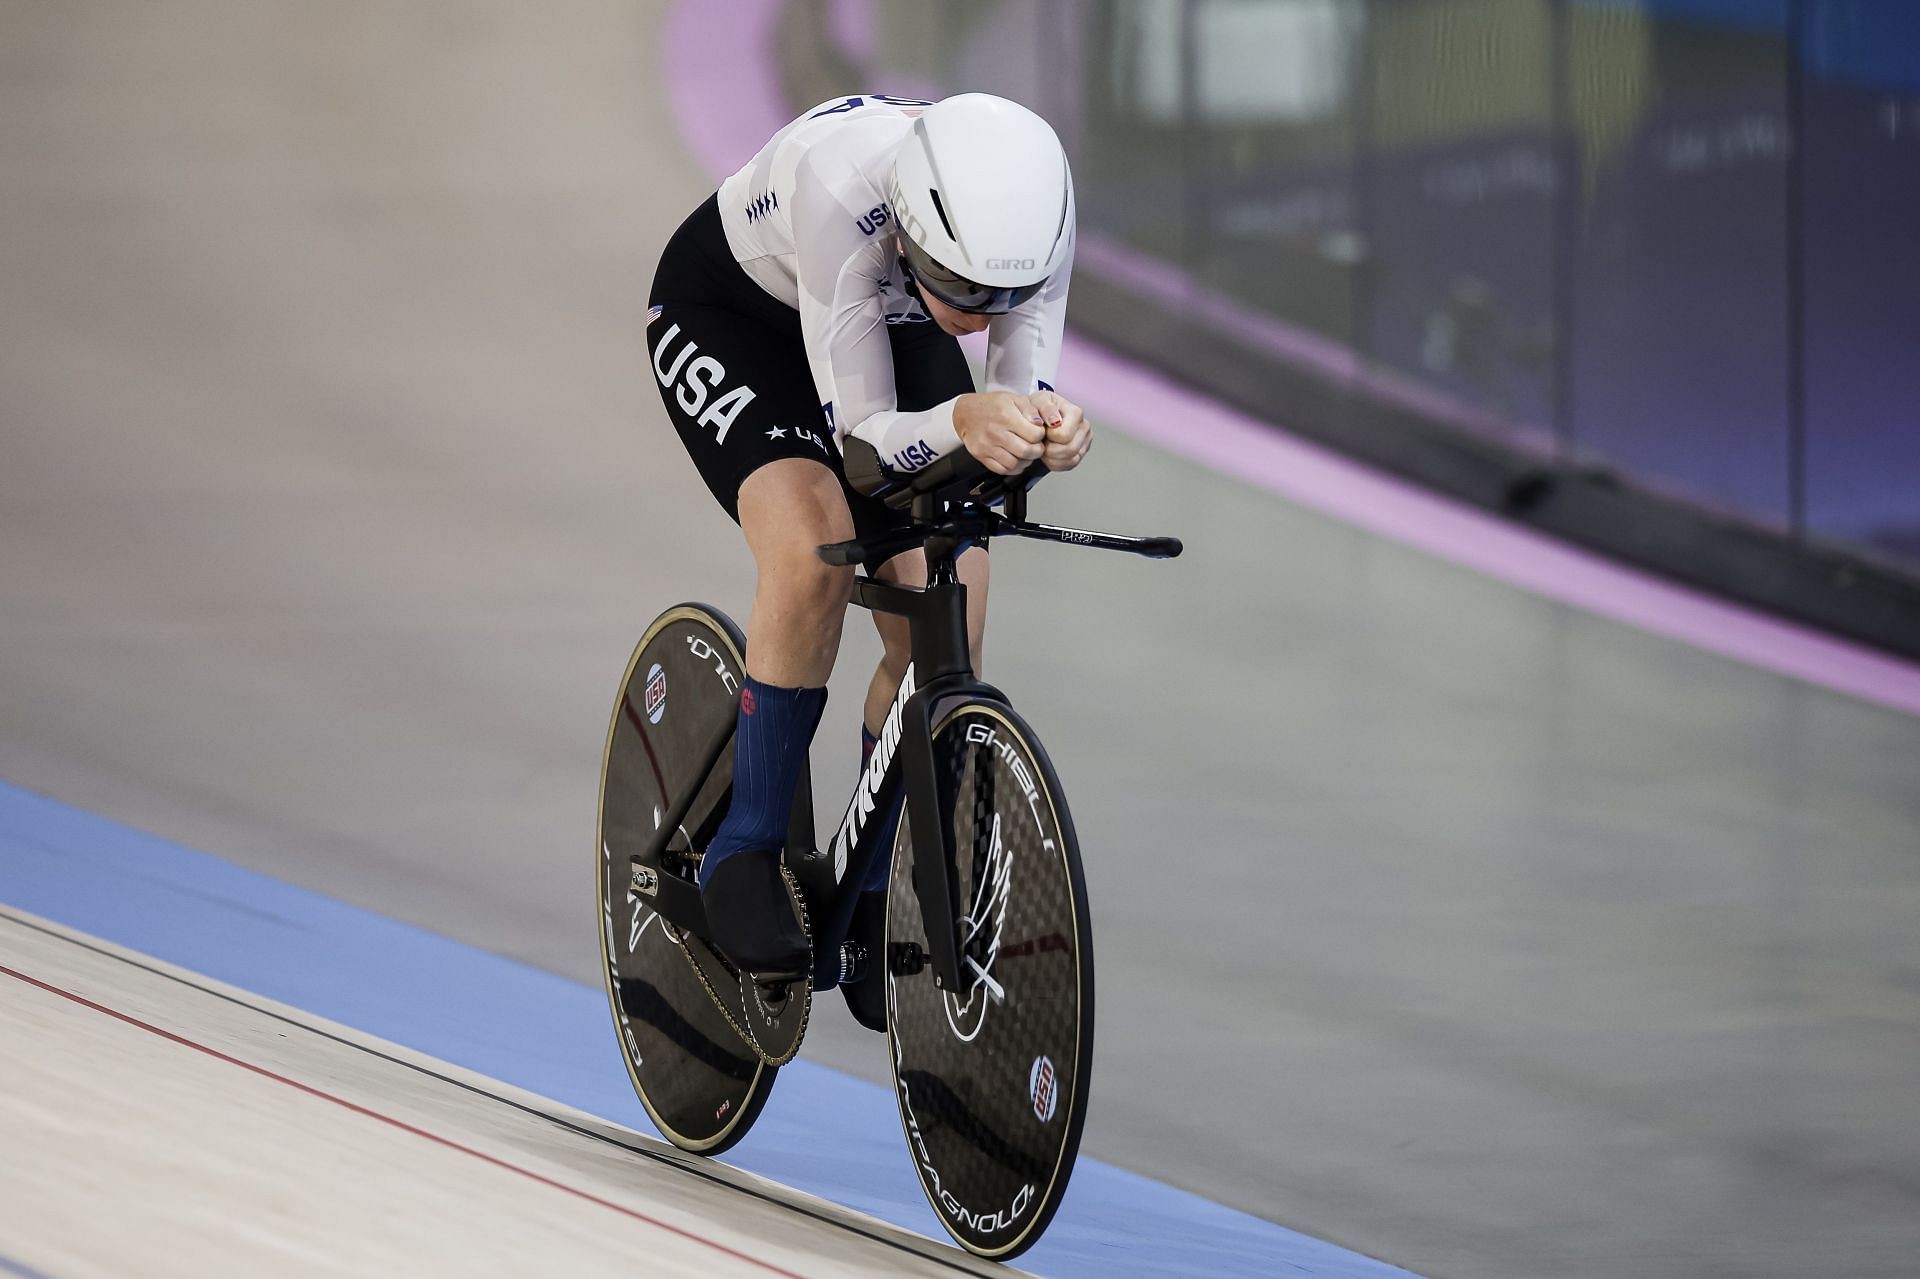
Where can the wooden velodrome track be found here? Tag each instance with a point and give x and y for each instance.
(159, 1123)
(1450, 924)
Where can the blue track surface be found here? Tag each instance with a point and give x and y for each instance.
(8, 1266)
(552, 1037)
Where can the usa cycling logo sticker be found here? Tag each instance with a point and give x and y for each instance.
(1043, 1088)
(656, 693)
(653, 313)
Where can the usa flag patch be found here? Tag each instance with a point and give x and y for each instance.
(1043, 1088)
(656, 693)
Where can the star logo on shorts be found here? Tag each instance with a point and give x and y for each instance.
(776, 432)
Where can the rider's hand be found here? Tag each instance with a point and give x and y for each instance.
(1000, 428)
(1069, 434)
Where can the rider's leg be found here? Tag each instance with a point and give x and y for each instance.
(787, 508)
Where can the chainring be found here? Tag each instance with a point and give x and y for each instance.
(771, 1025)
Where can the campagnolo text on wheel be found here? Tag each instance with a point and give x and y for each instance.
(802, 328)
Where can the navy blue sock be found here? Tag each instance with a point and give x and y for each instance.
(877, 869)
(770, 743)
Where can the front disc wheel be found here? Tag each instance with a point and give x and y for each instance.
(991, 1079)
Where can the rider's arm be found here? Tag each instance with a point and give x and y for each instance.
(840, 270)
(1023, 346)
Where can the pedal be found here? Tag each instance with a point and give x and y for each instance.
(775, 983)
(906, 958)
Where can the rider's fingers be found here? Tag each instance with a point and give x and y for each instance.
(1052, 409)
(1069, 442)
(1026, 428)
(984, 451)
(1023, 418)
(1072, 429)
(1000, 461)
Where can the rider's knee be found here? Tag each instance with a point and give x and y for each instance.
(804, 583)
(832, 586)
(787, 509)
(793, 496)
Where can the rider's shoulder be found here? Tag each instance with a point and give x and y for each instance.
(855, 116)
(866, 106)
(840, 195)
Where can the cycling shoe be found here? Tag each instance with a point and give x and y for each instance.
(752, 917)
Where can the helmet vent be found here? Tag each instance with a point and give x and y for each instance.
(941, 209)
(1066, 201)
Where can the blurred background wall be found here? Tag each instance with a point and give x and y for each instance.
(1644, 270)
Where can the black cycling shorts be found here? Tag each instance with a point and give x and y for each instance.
(732, 369)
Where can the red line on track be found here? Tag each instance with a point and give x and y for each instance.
(402, 1125)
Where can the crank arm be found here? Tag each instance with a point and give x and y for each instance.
(669, 896)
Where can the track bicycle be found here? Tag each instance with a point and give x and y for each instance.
(988, 951)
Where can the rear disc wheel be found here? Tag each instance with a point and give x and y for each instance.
(702, 1084)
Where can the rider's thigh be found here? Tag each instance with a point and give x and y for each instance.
(789, 507)
(910, 569)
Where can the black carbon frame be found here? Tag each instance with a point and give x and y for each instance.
(943, 668)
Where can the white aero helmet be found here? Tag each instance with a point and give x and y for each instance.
(984, 202)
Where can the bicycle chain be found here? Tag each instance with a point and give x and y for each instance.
(726, 1011)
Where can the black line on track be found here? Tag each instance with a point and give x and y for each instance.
(933, 1252)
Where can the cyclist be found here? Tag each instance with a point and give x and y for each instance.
(818, 294)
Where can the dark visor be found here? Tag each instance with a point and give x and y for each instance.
(957, 291)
